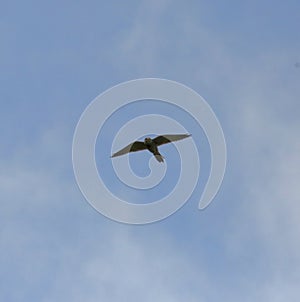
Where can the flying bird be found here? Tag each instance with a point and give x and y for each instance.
(151, 145)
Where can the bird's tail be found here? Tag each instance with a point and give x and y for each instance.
(159, 157)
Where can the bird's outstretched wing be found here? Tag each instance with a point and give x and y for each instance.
(133, 147)
(167, 138)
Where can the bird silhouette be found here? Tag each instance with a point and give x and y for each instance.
(151, 145)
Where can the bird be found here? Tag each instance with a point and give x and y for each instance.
(151, 145)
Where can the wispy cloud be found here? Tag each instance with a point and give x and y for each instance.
(54, 246)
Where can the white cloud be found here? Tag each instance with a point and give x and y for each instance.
(122, 267)
(50, 250)
(75, 254)
(269, 169)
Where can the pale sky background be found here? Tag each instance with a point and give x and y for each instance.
(241, 56)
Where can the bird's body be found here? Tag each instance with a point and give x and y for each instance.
(151, 145)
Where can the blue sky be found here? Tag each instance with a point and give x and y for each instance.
(56, 57)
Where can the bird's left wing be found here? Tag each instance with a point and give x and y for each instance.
(133, 147)
(167, 138)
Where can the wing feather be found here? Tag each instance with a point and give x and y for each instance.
(168, 138)
(133, 147)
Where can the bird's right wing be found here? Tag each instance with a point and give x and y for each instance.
(133, 147)
(167, 138)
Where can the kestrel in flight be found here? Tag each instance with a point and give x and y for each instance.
(151, 145)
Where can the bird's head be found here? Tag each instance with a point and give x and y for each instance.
(148, 140)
